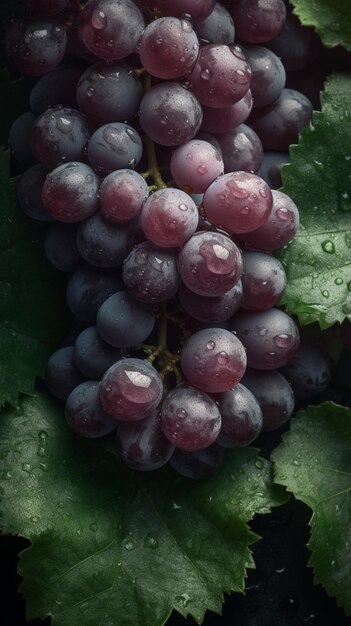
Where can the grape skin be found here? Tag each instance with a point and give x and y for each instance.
(35, 47)
(122, 194)
(60, 247)
(92, 355)
(150, 273)
(280, 227)
(241, 149)
(263, 280)
(211, 309)
(62, 374)
(70, 192)
(29, 193)
(274, 395)
(88, 288)
(198, 464)
(123, 322)
(169, 217)
(195, 165)
(114, 146)
(84, 412)
(241, 414)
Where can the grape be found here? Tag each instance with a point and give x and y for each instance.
(270, 169)
(122, 194)
(123, 322)
(142, 445)
(58, 135)
(169, 114)
(195, 165)
(62, 375)
(241, 149)
(241, 417)
(225, 120)
(256, 21)
(168, 47)
(114, 146)
(35, 47)
(45, 8)
(211, 309)
(60, 246)
(19, 140)
(270, 337)
(84, 412)
(199, 463)
(169, 217)
(213, 360)
(75, 46)
(280, 227)
(278, 124)
(55, 88)
(274, 395)
(102, 244)
(197, 10)
(221, 75)
(111, 30)
(88, 288)
(295, 45)
(70, 192)
(109, 93)
(263, 280)
(238, 201)
(218, 27)
(209, 264)
(309, 371)
(130, 390)
(92, 355)
(150, 273)
(268, 75)
(190, 419)
(29, 192)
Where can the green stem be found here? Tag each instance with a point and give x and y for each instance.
(162, 328)
(152, 163)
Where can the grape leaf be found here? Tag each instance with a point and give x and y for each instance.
(108, 541)
(331, 19)
(32, 304)
(314, 463)
(318, 178)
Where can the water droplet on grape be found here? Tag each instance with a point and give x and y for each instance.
(205, 74)
(98, 20)
(283, 340)
(222, 358)
(210, 345)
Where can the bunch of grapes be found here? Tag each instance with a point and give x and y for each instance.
(144, 151)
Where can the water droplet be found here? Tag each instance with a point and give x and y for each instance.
(202, 169)
(35, 519)
(210, 345)
(98, 20)
(43, 435)
(205, 74)
(93, 527)
(328, 246)
(128, 544)
(283, 340)
(259, 464)
(182, 413)
(150, 541)
(176, 506)
(349, 285)
(42, 451)
(325, 293)
(183, 207)
(184, 599)
(338, 281)
(262, 331)
(26, 467)
(345, 201)
(222, 358)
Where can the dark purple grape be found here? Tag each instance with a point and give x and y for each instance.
(168, 47)
(150, 273)
(130, 390)
(280, 227)
(29, 192)
(19, 140)
(123, 322)
(84, 412)
(211, 309)
(35, 47)
(170, 114)
(296, 45)
(102, 244)
(270, 169)
(190, 419)
(142, 445)
(61, 248)
(92, 355)
(241, 149)
(62, 374)
(70, 192)
(274, 395)
(114, 146)
(241, 417)
(199, 463)
(195, 165)
(213, 360)
(55, 88)
(256, 21)
(88, 288)
(218, 27)
(270, 338)
(111, 30)
(278, 125)
(122, 194)
(268, 75)
(169, 217)
(59, 135)
(209, 263)
(221, 76)
(309, 371)
(226, 119)
(109, 92)
(197, 10)
(239, 202)
(263, 280)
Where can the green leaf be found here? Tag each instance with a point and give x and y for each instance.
(32, 305)
(331, 19)
(314, 463)
(108, 541)
(318, 178)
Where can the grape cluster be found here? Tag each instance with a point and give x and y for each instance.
(144, 145)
